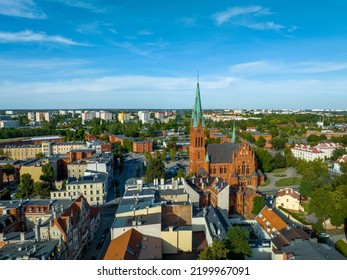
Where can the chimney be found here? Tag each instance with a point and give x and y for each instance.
(162, 181)
(1, 236)
(54, 213)
(22, 236)
(37, 233)
(62, 208)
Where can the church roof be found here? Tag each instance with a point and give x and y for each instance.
(197, 114)
(220, 153)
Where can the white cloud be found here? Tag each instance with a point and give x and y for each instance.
(248, 17)
(275, 67)
(30, 36)
(175, 92)
(187, 21)
(144, 32)
(88, 5)
(131, 47)
(21, 8)
(262, 25)
(225, 16)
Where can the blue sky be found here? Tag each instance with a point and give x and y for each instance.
(146, 54)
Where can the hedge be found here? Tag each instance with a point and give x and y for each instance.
(295, 216)
(341, 246)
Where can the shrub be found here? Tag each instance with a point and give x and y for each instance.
(341, 246)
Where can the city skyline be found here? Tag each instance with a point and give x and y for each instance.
(100, 54)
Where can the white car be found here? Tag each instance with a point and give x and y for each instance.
(323, 234)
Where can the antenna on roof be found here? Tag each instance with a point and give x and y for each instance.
(198, 76)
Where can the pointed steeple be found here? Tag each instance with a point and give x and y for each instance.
(197, 114)
(233, 137)
(207, 158)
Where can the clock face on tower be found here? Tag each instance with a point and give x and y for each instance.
(199, 130)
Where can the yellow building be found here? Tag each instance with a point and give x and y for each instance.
(22, 152)
(34, 169)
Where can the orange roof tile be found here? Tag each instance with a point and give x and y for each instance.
(125, 247)
(269, 221)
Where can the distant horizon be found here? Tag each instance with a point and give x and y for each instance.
(136, 54)
(170, 109)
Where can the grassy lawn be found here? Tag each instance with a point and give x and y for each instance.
(280, 175)
(288, 182)
(279, 170)
(267, 182)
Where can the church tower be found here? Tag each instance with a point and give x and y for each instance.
(197, 155)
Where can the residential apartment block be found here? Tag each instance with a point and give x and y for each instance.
(310, 153)
(93, 187)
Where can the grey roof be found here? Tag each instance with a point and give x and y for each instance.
(260, 173)
(312, 250)
(172, 192)
(128, 204)
(150, 219)
(84, 150)
(15, 236)
(216, 220)
(220, 153)
(22, 250)
(144, 191)
(101, 178)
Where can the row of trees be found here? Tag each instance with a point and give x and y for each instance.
(234, 247)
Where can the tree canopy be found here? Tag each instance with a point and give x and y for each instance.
(155, 168)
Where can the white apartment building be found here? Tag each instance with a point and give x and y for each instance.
(93, 187)
(52, 149)
(144, 116)
(310, 153)
(42, 116)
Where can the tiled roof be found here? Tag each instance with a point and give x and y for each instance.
(270, 221)
(125, 247)
(220, 153)
(288, 191)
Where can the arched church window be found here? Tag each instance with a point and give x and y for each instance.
(247, 170)
(243, 168)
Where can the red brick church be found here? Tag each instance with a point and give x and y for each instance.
(234, 162)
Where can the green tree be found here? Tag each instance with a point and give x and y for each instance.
(8, 169)
(5, 194)
(42, 189)
(216, 251)
(173, 153)
(337, 153)
(264, 159)
(338, 214)
(39, 155)
(261, 142)
(26, 185)
(290, 159)
(278, 142)
(315, 174)
(258, 204)
(279, 161)
(320, 203)
(155, 168)
(128, 145)
(48, 175)
(237, 243)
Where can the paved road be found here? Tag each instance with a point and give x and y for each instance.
(271, 188)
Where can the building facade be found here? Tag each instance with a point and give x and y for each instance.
(234, 163)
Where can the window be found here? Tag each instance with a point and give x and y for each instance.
(243, 168)
(97, 192)
(198, 155)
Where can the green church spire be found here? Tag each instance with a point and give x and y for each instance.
(197, 111)
(233, 137)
